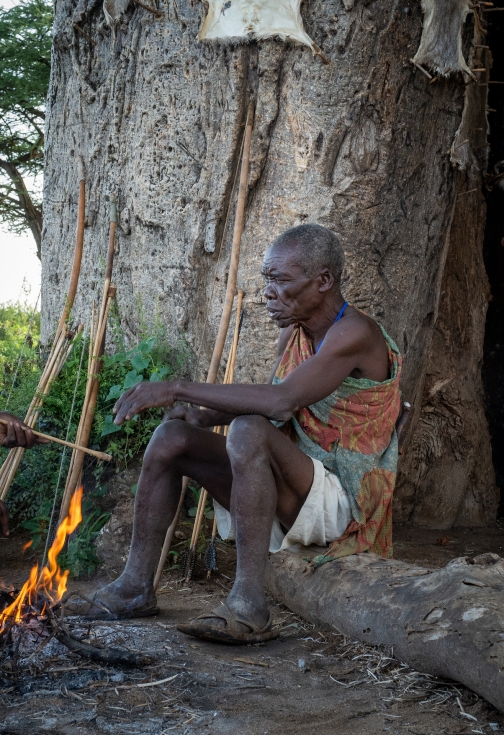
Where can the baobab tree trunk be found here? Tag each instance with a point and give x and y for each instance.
(368, 146)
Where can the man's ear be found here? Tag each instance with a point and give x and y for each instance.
(325, 280)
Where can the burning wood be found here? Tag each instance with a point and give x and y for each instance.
(28, 618)
(44, 589)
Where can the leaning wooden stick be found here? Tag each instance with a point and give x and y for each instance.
(228, 378)
(100, 455)
(54, 362)
(211, 552)
(235, 252)
(228, 303)
(94, 367)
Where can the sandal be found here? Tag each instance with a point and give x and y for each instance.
(233, 632)
(92, 609)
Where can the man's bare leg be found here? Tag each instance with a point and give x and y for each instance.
(258, 473)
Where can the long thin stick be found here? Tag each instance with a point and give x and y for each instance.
(53, 364)
(94, 368)
(79, 246)
(235, 252)
(100, 455)
(228, 379)
(169, 534)
(228, 303)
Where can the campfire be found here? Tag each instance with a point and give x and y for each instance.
(30, 618)
(25, 617)
(45, 589)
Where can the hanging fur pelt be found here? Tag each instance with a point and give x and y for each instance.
(242, 20)
(441, 44)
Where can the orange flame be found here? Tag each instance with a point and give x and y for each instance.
(51, 580)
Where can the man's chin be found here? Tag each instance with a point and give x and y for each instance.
(282, 322)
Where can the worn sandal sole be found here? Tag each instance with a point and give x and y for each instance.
(233, 633)
(217, 635)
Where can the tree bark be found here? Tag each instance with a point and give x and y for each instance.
(361, 146)
(447, 622)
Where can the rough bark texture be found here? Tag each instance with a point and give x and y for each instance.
(361, 146)
(448, 622)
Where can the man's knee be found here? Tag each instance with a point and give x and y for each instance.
(170, 440)
(247, 437)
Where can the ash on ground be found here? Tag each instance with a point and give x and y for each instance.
(307, 681)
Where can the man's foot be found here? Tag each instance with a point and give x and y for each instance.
(224, 626)
(113, 602)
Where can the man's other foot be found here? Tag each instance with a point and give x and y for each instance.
(107, 604)
(223, 626)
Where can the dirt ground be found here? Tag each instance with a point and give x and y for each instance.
(307, 682)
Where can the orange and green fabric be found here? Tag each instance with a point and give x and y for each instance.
(352, 432)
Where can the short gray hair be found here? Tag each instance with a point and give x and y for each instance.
(317, 248)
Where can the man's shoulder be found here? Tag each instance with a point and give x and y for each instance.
(356, 327)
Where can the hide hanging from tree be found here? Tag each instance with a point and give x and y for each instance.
(441, 43)
(244, 20)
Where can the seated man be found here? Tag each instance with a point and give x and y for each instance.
(14, 434)
(310, 456)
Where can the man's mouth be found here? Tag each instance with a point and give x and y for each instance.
(273, 313)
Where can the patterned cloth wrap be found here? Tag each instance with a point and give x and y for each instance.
(352, 432)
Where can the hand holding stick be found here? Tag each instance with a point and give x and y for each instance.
(48, 437)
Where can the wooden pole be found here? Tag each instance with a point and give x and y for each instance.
(94, 367)
(228, 305)
(235, 252)
(54, 362)
(100, 455)
(228, 378)
(204, 495)
(79, 246)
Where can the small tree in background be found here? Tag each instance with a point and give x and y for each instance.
(25, 62)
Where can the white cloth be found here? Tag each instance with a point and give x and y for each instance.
(324, 516)
(245, 19)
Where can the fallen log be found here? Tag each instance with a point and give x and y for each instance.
(447, 622)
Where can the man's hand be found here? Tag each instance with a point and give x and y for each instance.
(4, 520)
(141, 397)
(17, 434)
(192, 415)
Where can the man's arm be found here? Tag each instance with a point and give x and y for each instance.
(314, 379)
(207, 418)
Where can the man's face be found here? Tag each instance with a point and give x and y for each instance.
(292, 295)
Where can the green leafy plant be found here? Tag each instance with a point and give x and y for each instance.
(32, 493)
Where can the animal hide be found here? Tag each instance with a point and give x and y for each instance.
(243, 20)
(114, 10)
(441, 44)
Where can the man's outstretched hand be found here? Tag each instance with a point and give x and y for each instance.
(141, 397)
(4, 520)
(17, 434)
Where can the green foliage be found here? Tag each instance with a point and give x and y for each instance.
(25, 63)
(17, 340)
(196, 494)
(32, 493)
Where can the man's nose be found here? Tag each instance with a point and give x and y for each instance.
(269, 292)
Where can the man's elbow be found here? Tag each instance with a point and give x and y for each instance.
(284, 409)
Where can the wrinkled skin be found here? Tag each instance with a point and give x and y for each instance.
(257, 472)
